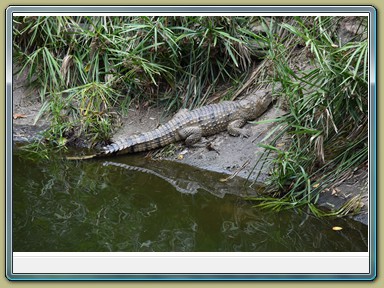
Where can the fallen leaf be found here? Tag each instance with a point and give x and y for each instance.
(334, 192)
(337, 228)
(180, 157)
(18, 115)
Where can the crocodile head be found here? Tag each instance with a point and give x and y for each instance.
(254, 105)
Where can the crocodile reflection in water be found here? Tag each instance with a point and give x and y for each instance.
(181, 185)
(190, 183)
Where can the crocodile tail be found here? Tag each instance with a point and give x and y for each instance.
(143, 142)
(154, 139)
(128, 145)
(122, 146)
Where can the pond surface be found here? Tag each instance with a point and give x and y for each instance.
(95, 205)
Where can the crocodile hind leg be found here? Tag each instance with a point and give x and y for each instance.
(191, 135)
(234, 128)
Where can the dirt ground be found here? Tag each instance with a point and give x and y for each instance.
(221, 153)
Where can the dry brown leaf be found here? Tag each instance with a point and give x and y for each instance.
(19, 115)
(337, 228)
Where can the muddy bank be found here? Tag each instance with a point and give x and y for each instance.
(26, 107)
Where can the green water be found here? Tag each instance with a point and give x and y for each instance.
(90, 206)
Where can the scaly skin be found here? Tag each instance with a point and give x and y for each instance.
(190, 126)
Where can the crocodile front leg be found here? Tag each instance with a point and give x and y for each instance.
(234, 128)
(191, 134)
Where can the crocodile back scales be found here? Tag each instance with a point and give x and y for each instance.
(211, 118)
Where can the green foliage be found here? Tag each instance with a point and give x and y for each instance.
(326, 127)
(82, 113)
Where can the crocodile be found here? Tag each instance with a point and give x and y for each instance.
(191, 126)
